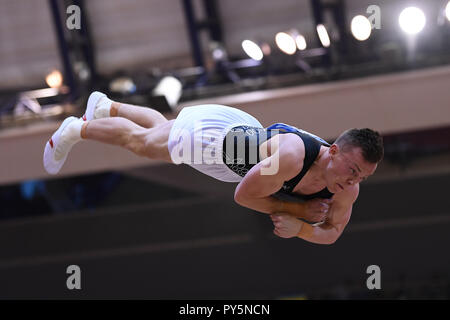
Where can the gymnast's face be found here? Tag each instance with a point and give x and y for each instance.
(346, 169)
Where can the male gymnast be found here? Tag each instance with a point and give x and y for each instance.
(306, 185)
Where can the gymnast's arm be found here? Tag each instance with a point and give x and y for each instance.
(255, 190)
(331, 229)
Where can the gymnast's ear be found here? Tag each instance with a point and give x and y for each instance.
(334, 149)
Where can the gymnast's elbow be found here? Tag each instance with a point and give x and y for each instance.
(323, 241)
(332, 239)
(242, 200)
(329, 233)
(238, 198)
(241, 197)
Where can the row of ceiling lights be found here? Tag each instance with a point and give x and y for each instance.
(412, 21)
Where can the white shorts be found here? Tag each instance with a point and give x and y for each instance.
(197, 135)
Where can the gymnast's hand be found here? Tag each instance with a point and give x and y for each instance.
(286, 226)
(316, 210)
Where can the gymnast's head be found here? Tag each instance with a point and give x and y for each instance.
(354, 157)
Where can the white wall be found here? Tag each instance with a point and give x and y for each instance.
(28, 49)
(129, 33)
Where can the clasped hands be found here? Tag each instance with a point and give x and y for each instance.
(315, 210)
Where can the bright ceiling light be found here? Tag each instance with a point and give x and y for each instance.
(54, 79)
(252, 50)
(323, 35)
(361, 28)
(412, 20)
(301, 42)
(286, 42)
(447, 11)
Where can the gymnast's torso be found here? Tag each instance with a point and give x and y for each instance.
(298, 189)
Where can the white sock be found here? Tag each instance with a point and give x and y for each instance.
(69, 136)
(103, 108)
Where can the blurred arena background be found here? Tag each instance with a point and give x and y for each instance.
(141, 229)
